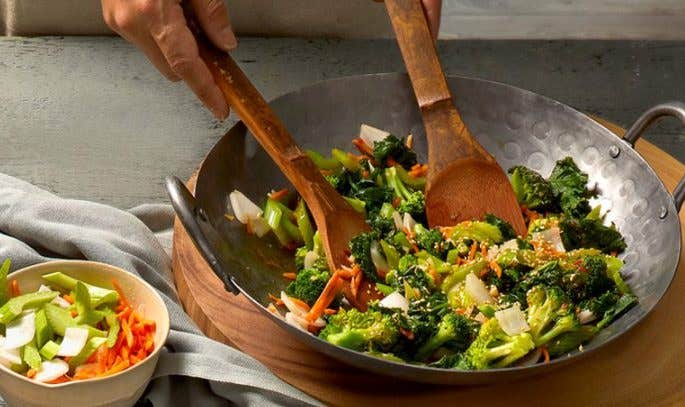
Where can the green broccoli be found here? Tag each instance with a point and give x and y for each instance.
(549, 274)
(358, 330)
(371, 194)
(360, 247)
(409, 278)
(601, 304)
(494, 348)
(308, 284)
(591, 233)
(454, 330)
(589, 281)
(569, 341)
(569, 185)
(549, 314)
(504, 227)
(429, 240)
(531, 189)
(392, 147)
(411, 201)
(300, 253)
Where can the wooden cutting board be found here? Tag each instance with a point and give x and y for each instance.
(644, 367)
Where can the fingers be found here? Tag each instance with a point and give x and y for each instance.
(433, 9)
(149, 47)
(214, 20)
(178, 45)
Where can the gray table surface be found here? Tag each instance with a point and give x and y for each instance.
(90, 118)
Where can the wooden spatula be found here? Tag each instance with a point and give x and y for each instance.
(464, 180)
(335, 219)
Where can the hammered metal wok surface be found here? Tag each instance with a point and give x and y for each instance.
(516, 126)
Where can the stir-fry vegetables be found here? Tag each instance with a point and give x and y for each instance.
(70, 330)
(467, 296)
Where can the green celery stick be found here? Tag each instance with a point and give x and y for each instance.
(114, 327)
(43, 329)
(60, 319)
(30, 355)
(98, 295)
(4, 270)
(304, 224)
(86, 314)
(91, 346)
(17, 305)
(49, 350)
(322, 162)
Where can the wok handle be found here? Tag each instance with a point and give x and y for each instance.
(198, 227)
(668, 109)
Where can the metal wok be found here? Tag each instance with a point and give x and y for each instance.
(516, 126)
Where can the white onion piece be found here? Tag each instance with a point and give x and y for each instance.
(258, 226)
(397, 218)
(9, 357)
(377, 258)
(43, 288)
(512, 320)
(61, 302)
(371, 134)
(73, 342)
(291, 319)
(530, 359)
(20, 331)
(291, 306)
(586, 316)
(243, 208)
(408, 222)
(395, 300)
(51, 370)
(310, 258)
(301, 322)
(477, 290)
(552, 236)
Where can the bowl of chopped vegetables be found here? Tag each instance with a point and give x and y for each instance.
(77, 333)
(465, 303)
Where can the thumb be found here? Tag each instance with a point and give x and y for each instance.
(213, 18)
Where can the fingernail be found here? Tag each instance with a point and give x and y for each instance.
(229, 42)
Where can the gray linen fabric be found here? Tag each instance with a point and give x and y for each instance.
(37, 226)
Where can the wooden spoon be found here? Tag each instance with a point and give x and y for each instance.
(335, 219)
(464, 180)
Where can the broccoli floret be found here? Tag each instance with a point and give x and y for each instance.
(549, 274)
(421, 320)
(429, 240)
(358, 330)
(380, 225)
(591, 233)
(569, 185)
(478, 231)
(549, 314)
(308, 284)
(299, 257)
(411, 201)
(454, 331)
(589, 281)
(494, 348)
(601, 304)
(531, 189)
(409, 275)
(569, 341)
(360, 247)
(392, 147)
(504, 227)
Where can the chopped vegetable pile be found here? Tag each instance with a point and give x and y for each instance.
(467, 296)
(70, 330)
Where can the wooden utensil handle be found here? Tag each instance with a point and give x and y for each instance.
(448, 136)
(255, 112)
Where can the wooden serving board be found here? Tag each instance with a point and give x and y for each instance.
(644, 367)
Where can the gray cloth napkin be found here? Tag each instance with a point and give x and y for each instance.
(37, 226)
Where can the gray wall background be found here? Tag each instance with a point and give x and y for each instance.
(466, 19)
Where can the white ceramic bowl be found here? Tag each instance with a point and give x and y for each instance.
(121, 389)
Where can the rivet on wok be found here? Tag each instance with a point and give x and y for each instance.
(201, 213)
(614, 151)
(663, 212)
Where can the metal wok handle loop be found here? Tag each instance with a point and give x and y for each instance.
(198, 227)
(651, 116)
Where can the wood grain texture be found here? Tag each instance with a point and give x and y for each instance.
(90, 118)
(640, 368)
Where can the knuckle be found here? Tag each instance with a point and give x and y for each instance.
(215, 8)
(148, 8)
(123, 21)
(181, 65)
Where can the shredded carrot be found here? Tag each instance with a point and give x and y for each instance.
(327, 296)
(396, 201)
(614, 254)
(278, 195)
(484, 249)
(61, 379)
(346, 274)
(290, 276)
(497, 268)
(68, 298)
(330, 311)
(472, 252)
(530, 214)
(434, 275)
(418, 170)
(14, 288)
(31, 373)
(391, 162)
(275, 299)
(545, 354)
(299, 303)
(354, 285)
(127, 331)
(410, 141)
(409, 233)
(363, 147)
(365, 174)
(122, 298)
(73, 313)
(407, 333)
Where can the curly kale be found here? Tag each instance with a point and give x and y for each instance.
(360, 247)
(392, 147)
(591, 233)
(531, 189)
(590, 280)
(430, 240)
(504, 227)
(569, 185)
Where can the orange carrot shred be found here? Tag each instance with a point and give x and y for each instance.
(396, 202)
(68, 298)
(330, 311)
(484, 250)
(122, 297)
(14, 288)
(278, 195)
(327, 296)
(299, 303)
(363, 147)
(275, 299)
(497, 268)
(31, 373)
(472, 252)
(545, 354)
(290, 276)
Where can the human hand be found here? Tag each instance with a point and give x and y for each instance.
(159, 29)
